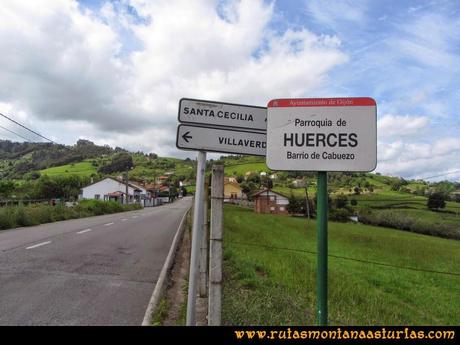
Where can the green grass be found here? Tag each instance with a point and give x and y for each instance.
(268, 286)
(241, 169)
(84, 168)
(35, 214)
(160, 313)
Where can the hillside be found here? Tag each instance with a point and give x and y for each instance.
(20, 159)
(376, 275)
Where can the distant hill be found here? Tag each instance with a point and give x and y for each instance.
(18, 159)
(30, 160)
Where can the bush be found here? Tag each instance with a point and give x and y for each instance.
(391, 219)
(298, 206)
(34, 214)
(340, 214)
(436, 201)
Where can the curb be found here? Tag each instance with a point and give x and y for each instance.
(161, 282)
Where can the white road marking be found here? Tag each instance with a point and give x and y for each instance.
(38, 245)
(83, 231)
(108, 224)
(124, 219)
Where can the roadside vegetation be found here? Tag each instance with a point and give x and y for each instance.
(35, 214)
(270, 273)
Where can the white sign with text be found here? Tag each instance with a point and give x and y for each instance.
(223, 140)
(322, 134)
(220, 114)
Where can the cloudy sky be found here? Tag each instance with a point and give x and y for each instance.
(113, 71)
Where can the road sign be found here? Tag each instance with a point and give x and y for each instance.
(220, 114)
(322, 134)
(221, 140)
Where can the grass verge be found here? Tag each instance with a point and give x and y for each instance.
(266, 285)
(35, 214)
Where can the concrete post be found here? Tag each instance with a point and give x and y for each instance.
(215, 246)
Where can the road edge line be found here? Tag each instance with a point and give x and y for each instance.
(160, 285)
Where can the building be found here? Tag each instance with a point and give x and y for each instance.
(232, 192)
(268, 201)
(231, 179)
(111, 189)
(298, 183)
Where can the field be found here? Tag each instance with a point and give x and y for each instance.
(84, 168)
(241, 169)
(270, 273)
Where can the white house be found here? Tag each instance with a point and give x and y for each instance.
(115, 190)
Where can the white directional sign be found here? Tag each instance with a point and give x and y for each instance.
(221, 140)
(322, 134)
(220, 114)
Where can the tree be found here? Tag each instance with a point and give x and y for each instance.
(6, 187)
(436, 201)
(121, 162)
(296, 205)
(341, 201)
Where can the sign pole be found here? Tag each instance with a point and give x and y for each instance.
(196, 239)
(321, 239)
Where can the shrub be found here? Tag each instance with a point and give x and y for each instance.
(436, 201)
(34, 214)
(391, 219)
(340, 214)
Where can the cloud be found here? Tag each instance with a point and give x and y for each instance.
(62, 62)
(415, 159)
(398, 126)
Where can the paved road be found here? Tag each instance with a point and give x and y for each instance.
(92, 271)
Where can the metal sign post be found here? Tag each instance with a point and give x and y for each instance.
(321, 241)
(216, 127)
(196, 239)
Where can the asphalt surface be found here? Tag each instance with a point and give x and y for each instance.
(91, 271)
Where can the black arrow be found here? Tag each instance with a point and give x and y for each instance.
(186, 137)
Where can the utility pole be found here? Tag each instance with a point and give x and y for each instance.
(127, 191)
(306, 196)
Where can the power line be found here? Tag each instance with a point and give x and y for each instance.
(30, 130)
(19, 135)
(449, 173)
(348, 258)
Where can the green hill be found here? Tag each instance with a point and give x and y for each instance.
(376, 275)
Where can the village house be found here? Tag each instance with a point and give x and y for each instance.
(231, 179)
(111, 189)
(161, 179)
(268, 201)
(298, 183)
(232, 192)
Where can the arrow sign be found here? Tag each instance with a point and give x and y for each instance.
(221, 140)
(186, 137)
(209, 113)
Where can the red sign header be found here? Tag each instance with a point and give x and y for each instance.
(322, 102)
